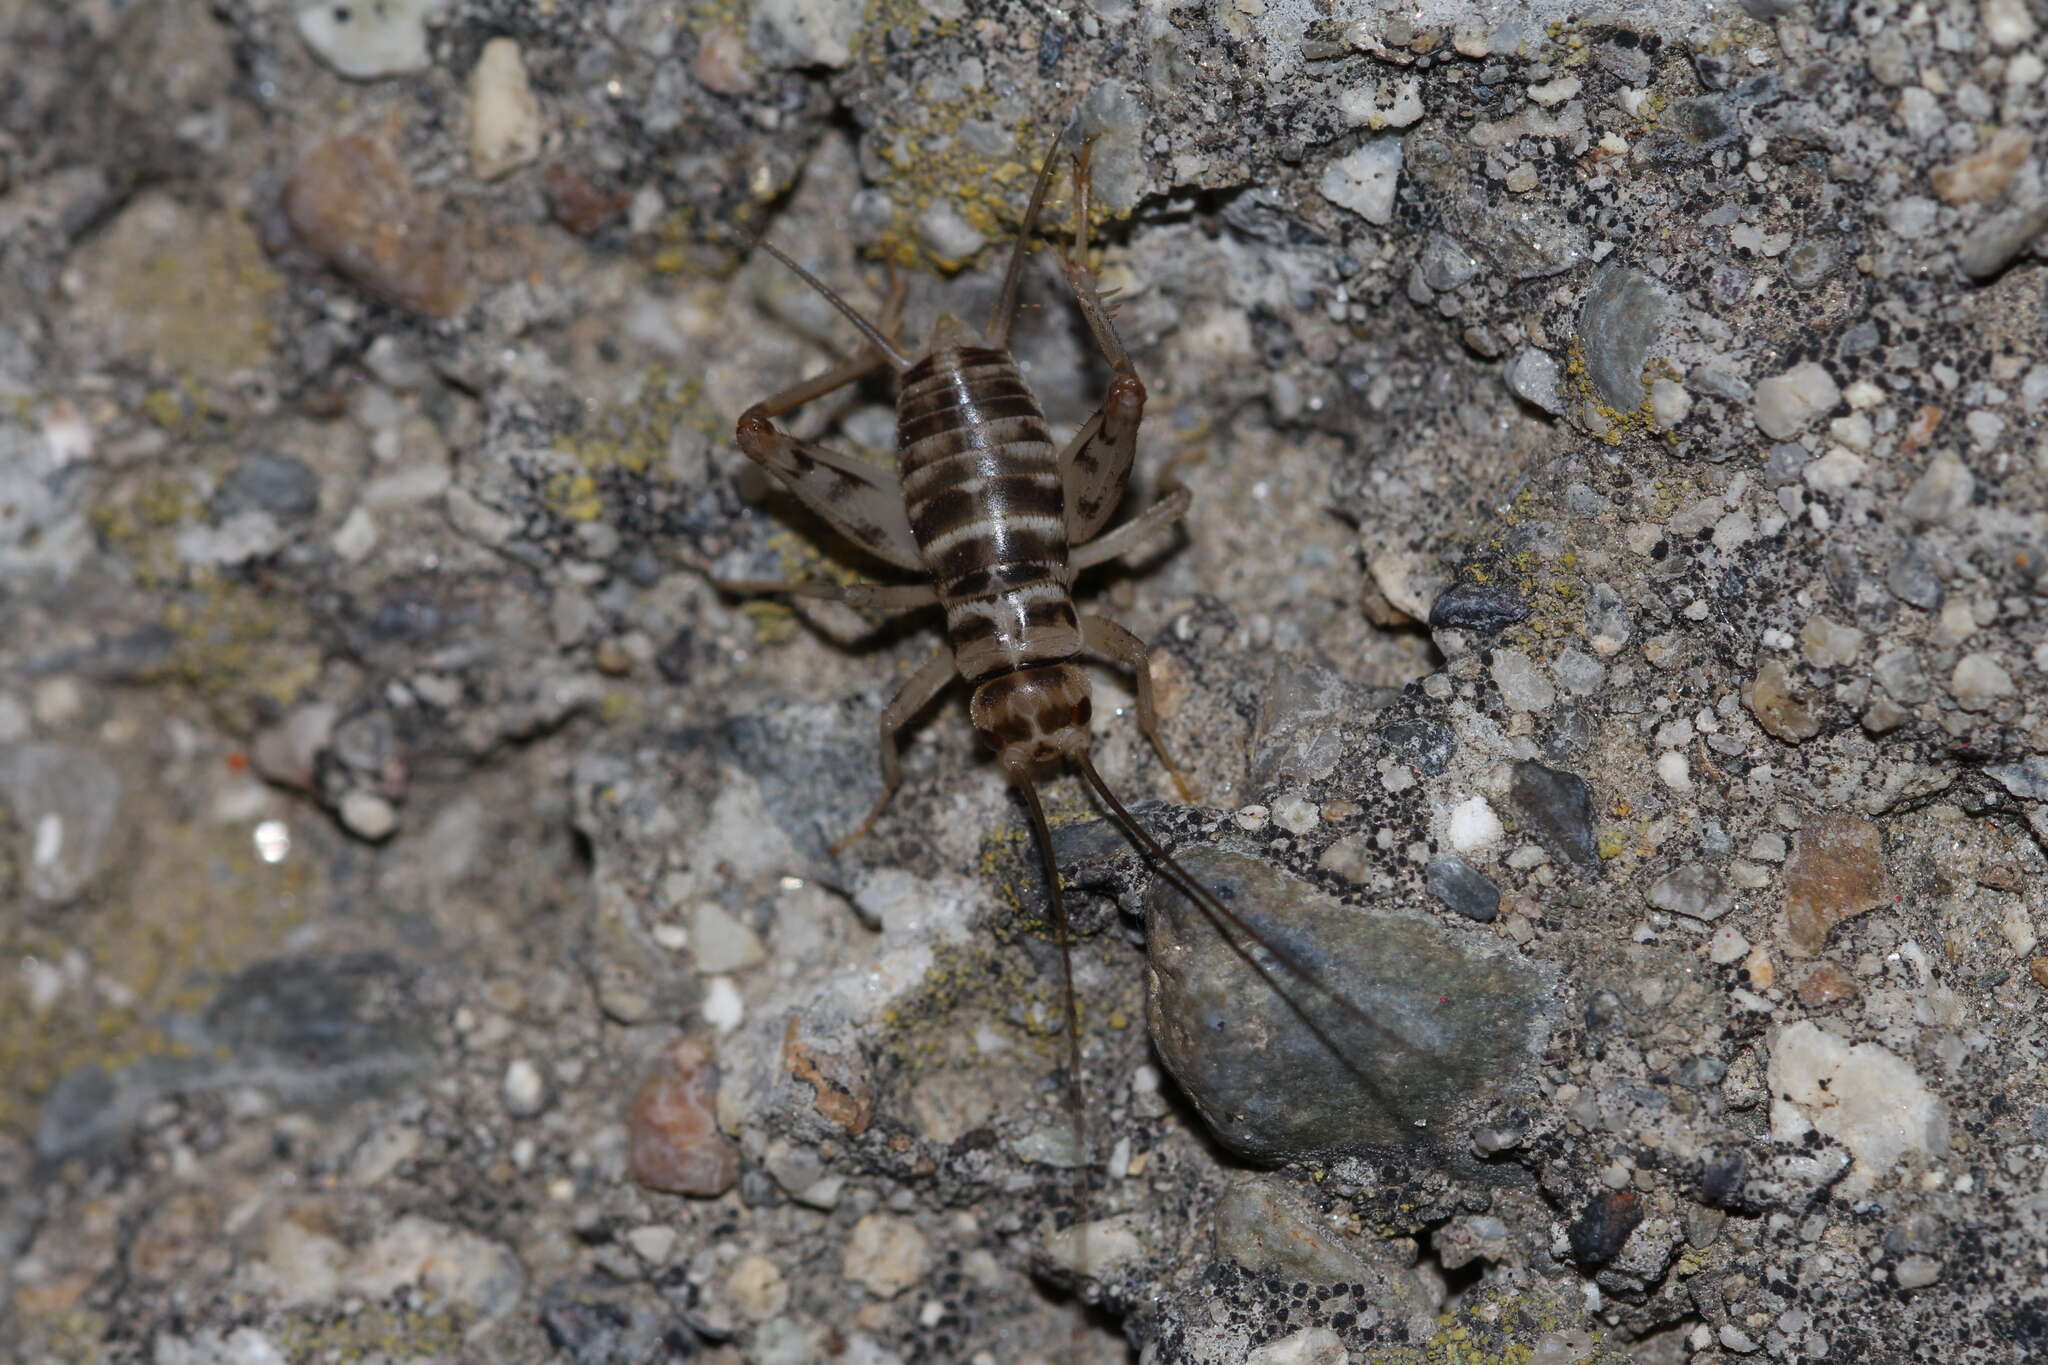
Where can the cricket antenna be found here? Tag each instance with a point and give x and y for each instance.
(1241, 937)
(853, 315)
(1042, 833)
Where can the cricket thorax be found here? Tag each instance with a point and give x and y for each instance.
(1034, 716)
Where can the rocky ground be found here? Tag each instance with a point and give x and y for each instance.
(1608, 650)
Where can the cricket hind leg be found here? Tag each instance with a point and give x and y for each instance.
(1109, 640)
(1095, 466)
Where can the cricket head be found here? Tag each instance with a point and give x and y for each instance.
(1034, 717)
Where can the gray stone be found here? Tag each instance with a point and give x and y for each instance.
(1788, 402)
(1787, 463)
(1693, 890)
(1428, 744)
(1559, 808)
(1941, 493)
(1608, 626)
(1617, 324)
(1532, 377)
(1366, 180)
(2027, 779)
(286, 488)
(1998, 241)
(1809, 263)
(1477, 607)
(65, 801)
(1444, 264)
(1522, 685)
(1431, 1023)
(316, 1033)
(1463, 887)
(1913, 580)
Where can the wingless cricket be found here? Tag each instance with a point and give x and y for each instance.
(998, 523)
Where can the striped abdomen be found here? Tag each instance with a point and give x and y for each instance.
(981, 484)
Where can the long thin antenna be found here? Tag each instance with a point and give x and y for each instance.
(852, 314)
(1005, 311)
(1238, 933)
(1043, 834)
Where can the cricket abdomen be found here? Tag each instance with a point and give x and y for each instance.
(981, 484)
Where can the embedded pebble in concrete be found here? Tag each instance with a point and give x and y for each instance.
(1533, 377)
(1463, 887)
(1475, 607)
(1434, 1019)
(1835, 872)
(1787, 403)
(505, 125)
(1980, 682)
(673, 1142)
(1617, 324)
(1522, 685)
(1858, 1094)
(1559, 808)
(1694, 890)
(351, 202)
(66, 803)
(885, 1255)
(280, 485)
(1781, 706)
(369, 39)
(1365, 181)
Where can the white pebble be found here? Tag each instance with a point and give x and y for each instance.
(505, 125)
(526, 1090)
(368, 815)
(723, 1008)
(1473, 826)
(1365, 181)
(1785, 403)
(369, 40)
(1674, 771)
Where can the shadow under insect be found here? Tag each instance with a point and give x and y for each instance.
(1300, 1024)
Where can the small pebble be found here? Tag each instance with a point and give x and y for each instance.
(369, 39)
(1522, 685)
(525, 1089)
(1784, 711)
(1365, 181)
(367, 815)
(1462, 887)
(505, 125)
(653, 1243)
(885, 1255)
(1836, 872)
(1693, 890)
(351, 202)
(1785, 404)
(1980, 682)
(672, 1137)
(1473, 826)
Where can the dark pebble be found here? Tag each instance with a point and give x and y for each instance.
(1697, 1073)
(1599, 1233)
(1913, 581)
(1428, 744)
(1434, 1024)
(1559, 808)
(1617, 324)
(1469, 606)
(286, 488)
(1463, 887)
(1721, 1180)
